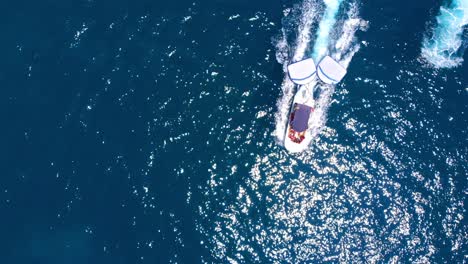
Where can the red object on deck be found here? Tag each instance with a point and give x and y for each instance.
(296, 137)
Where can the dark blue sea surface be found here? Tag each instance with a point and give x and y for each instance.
(150, 132)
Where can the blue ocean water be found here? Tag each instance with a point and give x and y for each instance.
(150, 132)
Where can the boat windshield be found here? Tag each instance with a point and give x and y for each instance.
(300, 117)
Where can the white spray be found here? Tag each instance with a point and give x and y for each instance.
(444, 48)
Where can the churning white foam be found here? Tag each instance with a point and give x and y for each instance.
(326, 25)
(444, 47)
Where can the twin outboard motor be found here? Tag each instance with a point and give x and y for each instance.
(328, 70)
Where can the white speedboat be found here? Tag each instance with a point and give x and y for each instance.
(298, 135)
